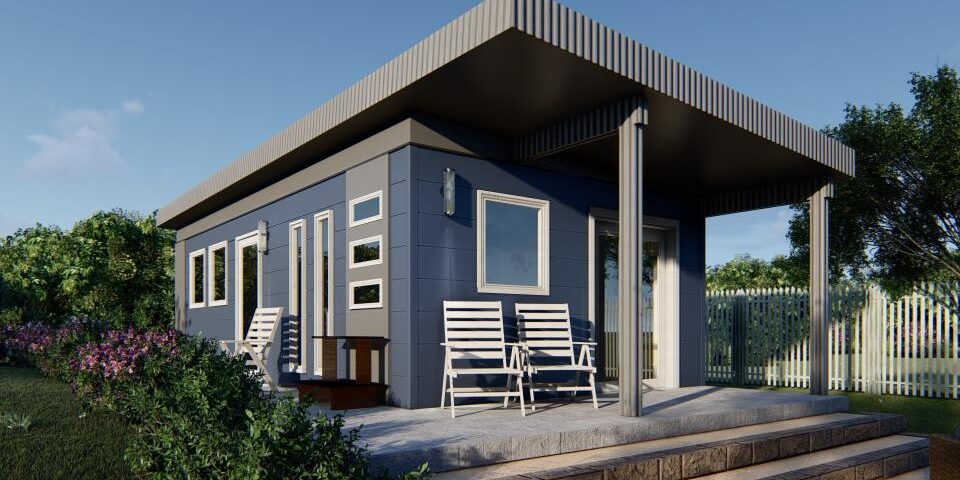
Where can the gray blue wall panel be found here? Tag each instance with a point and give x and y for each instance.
(445, 255)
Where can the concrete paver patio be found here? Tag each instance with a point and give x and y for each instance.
(488, 433)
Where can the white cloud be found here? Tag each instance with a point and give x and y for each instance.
(134, 106)
(81, 143)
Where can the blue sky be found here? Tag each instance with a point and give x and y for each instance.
(128, 104)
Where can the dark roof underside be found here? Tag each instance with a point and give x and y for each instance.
(702, 137)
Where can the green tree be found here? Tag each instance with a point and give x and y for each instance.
(898, 221)
(744, 272)
(115, 266)
(33, 272)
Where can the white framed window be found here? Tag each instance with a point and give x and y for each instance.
(513, 244)
(366, 251)
(297, 330)
(198, 270)
(364, 294)
(366, 209)
(217, 271)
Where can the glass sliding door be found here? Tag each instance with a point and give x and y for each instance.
(648, 321)
(607, 291)
(608, 296)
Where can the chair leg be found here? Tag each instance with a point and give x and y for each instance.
(506, 398)
(576, 382)
(533, 400)
(523, 409)
(593, 391)
(453, 397)
(443, 390)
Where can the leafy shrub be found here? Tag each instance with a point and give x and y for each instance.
(198, 412)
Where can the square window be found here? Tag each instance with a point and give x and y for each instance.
(513, 244)
(366, 251)
(198, 268)
(366, 294)
(217, 269)
(366, 209)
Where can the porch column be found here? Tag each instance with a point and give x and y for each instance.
(820, 288)
(630, 258)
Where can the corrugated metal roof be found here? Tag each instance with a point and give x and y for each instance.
(562, 27)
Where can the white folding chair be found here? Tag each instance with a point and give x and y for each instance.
(258, 342)
(473, 335)
(549, 348)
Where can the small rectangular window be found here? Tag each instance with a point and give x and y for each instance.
(366, 294)
(513, 244)
(197, 275)
(217, 269)
(366, 251)
(366, 209)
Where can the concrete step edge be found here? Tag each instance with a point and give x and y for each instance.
(715, 457)
(883, 463)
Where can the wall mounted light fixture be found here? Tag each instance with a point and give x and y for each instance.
(262, 236)
(449, 191)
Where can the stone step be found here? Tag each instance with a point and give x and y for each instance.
(884, 457)
(694, 455)
(921, 474)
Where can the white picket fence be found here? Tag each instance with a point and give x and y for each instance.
(903, 346)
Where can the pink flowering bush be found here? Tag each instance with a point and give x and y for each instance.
(117, 356)
(198, 412)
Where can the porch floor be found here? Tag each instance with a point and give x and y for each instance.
(485, 434)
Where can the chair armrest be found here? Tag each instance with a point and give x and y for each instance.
(592, 344)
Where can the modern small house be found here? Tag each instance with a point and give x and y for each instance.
(521, 153)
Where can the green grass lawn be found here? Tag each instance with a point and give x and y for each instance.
(924, 415)
(59, 443)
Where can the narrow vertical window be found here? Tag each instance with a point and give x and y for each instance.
(217, 271)
(323, 273)
(325, 364)
(197, 275)
(298, 298)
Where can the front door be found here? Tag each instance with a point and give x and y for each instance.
(247, 281)
(652, 321)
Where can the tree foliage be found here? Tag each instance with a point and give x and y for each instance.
(115, 266)
(898, 221)
(745, 272)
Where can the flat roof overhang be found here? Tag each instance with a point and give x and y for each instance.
(702, 138)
